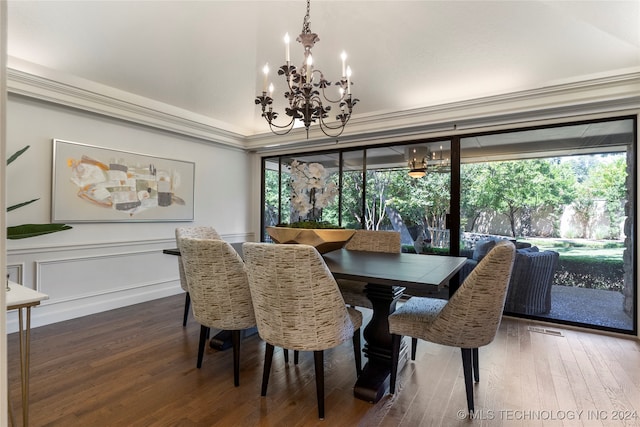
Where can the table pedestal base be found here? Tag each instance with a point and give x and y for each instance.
(374, 381)
(222, 340)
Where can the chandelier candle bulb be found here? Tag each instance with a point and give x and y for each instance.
(343, 56)
(286, 43)
(348, 80)
(265, 70)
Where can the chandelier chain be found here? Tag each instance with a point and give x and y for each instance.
(306, 29)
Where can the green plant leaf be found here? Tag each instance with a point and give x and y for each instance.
(17, 154)
(19, 205)
(32, 230)
(25, 231)
(310, 225)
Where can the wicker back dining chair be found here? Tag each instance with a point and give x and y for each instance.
(200, 232)
(469, 319)
(219, 292)
(298, 306)
(372, 241)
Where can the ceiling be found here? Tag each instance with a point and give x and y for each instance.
(205, 57)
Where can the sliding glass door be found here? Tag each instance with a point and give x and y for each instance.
(565, 195)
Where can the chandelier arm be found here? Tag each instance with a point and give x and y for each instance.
(340, 124)
(323, 128)
(343, 117)
(290, 124)
(290, 73)
(275, 132)
(336, 101)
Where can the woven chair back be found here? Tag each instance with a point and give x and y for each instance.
(472, 315)
(200, 232)
(375, 241)
(218, 284)
(297, 302)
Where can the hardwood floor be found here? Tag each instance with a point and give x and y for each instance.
(136, 366)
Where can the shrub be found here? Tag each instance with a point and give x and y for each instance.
(590, 273)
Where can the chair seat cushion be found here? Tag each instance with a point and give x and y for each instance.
(414, 317)
(356, 317)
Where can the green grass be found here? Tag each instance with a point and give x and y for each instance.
(604, 251)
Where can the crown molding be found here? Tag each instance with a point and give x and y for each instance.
(53, 87)
(611, 94)
(597, 95)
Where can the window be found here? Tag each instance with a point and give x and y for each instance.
(564, 194)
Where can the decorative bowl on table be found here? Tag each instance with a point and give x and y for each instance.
(323, 239)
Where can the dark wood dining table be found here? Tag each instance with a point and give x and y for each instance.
(387, 277)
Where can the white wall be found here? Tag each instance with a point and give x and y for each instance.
(100, 266)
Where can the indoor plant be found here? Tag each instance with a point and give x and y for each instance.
(310, 193)
(29, 230)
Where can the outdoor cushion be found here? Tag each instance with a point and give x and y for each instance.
(531, 280)
(482, 248)
(528, 250)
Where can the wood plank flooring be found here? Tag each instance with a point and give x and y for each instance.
(135, 366)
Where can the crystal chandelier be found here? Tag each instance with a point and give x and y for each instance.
(306, 90)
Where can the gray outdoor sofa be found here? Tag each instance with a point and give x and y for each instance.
(531, 280)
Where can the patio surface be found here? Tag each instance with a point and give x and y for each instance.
(589, 306)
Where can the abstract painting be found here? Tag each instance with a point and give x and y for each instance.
(95, 184)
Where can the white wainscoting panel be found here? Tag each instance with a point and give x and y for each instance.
(15, 272)
(87, 279)
(69, 279)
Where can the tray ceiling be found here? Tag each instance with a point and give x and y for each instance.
(205, 57)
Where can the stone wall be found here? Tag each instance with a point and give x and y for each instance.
(547, 223)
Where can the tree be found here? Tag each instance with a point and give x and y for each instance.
(351, 196)
(584, 207)
(423, 203)
(607, 181)
(374, 215)
(271, 199)
(517, 188)
(474, 199)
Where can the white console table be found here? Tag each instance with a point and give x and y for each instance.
(19, 298)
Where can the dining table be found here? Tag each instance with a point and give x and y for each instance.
(387, 276)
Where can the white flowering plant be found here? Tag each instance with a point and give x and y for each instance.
(310, 191)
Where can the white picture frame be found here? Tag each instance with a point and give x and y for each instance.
(97, 184)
